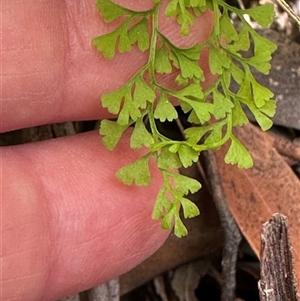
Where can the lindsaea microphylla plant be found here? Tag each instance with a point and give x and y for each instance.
(144, 97)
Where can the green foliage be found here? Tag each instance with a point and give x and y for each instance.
(212, 113)
(112, 132)
(237, 154)
(137, 172)
(186, 60)
(126, 34)
(110, 11)
(170, 197)
(140, 136)
(179, 9)
(165, 110)
(263, 14)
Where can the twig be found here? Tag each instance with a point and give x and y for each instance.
(232, 235)
(289, 10)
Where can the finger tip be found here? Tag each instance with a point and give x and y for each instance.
(111, 229)
(88, 226)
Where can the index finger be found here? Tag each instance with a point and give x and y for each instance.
(51, 73)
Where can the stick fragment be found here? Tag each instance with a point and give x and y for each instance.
(277, 277)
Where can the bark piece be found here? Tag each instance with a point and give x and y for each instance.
(277, 281)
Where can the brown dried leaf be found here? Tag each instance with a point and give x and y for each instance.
(186, 278)
(255, 194)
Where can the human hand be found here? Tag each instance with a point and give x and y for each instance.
(67, 223)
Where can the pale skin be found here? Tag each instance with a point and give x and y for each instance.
(67, 223)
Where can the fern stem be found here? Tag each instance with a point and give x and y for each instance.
(153, 42)
(151, 63)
